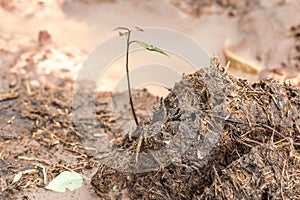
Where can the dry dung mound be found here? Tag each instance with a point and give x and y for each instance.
(212, 137)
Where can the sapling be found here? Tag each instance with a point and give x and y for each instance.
(123, 31)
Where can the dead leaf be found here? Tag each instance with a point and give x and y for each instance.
(242, 63)
(17, 177)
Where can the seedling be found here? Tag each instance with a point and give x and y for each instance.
(123, 31)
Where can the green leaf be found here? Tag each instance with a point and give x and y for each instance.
(150, 47)
(114, 188)
(158, 50)
(138, 28)
(64, 180)
(123, 33)
(122, 28)
(142, 44)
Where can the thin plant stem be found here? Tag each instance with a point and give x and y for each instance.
(128, 79)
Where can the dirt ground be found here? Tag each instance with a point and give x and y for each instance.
(257, 151)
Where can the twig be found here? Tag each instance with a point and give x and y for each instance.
(226, 67)
(44, 171)
(282, 174)
(35, 159)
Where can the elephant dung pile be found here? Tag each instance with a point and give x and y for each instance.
(212, 137)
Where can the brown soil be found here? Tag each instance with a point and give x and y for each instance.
(37, 135)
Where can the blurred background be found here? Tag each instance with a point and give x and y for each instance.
(40, 39)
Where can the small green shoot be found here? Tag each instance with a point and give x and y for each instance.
(123, 31)
(114, 188)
